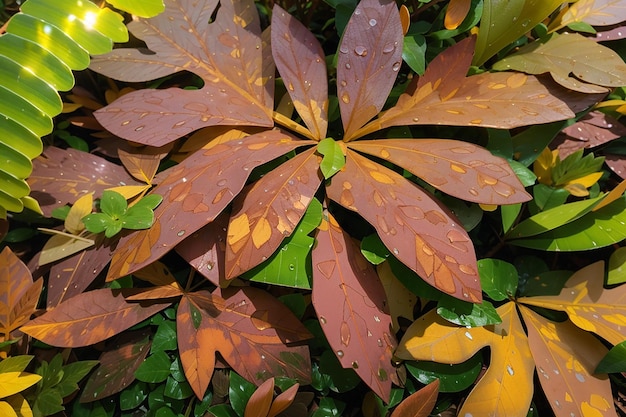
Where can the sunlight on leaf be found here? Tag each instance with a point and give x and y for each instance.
(334, 158)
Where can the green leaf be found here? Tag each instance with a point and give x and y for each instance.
(547, 197)
(525, 175)
(340, 379)
(528, 144)
(509, 215)
(295, 302)
(141, 8)
(329, 407)
(177, 390)
(72, 374)
(137, 218)
(374, 249)
(452, 378)
(113, 203)
(47, 403)
(467, 314)
(15, 363)
(155, 368)
(165, 337)
(553, 218)
(97, 222)
(239, 392)
(133, 395)
(617, 267)
(614, 361)
(575, 166)
(151, 201)
(414, 52)
(498, 279)
(544, 283)
(333, 159)
(581, 27)
(222, 410)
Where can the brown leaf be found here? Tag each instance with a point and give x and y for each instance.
(283, 400)
(80, 171)
(270, 211)
(206, 248)
(89, 318)
(117, 365)
(595, 12)
(142, 165)
(593, 129)
(419, 231)
(566, 358)
(457, 168)
(370, 56)
(252, 331)
(301, 62)
(261, 400)
(617, 163)
(225, 53)
(194, 193)
(19, 295)
(456, 13)
(420, 403)
(350, 303)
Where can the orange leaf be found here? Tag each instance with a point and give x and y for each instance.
(270, 211)
(89, 318)
(418, 230)
(566, 358)
(141, 165)
(350, 303)
(456, 12)
(457, 168)
(194, 193)
(261, 400)
(420, 403)
(283, 400)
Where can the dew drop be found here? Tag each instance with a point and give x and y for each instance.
(323, 320)
(180, 233)
(348, 66)
(291, 267)
(290, 87)
(377, 319)
(580, 377)
(307, 85)
(396, 66)
(345, 98)
(469, 335)
(360, 51)
(355, 365)
(389, 48)
(343, 49)
(372, 22)
(396, 251)
(344, 83)
(209, 266)
(340, 353)
(510, 370)
(379, 343)
(357, 12)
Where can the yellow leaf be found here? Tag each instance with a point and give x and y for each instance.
(586, 181)
(488, 207)
(6, 410)
(61, 245)
(401, 301)
(588, 304)
(543, 166)
(70, 107)
(238, 228)
(19, 405)
(82, 207)
(506, 388)
(615, 194)
(129, 191)
(14, 382)
(577, 190)
(405, 19)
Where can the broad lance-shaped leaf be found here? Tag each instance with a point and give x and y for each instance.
(420, 232)
(588, 305)
(301, 62)
(251, 330)
(457, 168)
(370, 56)
(350, 303)
(195, 192)
(591, 130)
(506, 389)
(89, 318)
(570, 53)
(270, 211)
(566, 358)
(420, 403)
(593, 12)
(225, 53)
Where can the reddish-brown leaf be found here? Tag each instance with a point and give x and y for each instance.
(350, 303)
(566, 358)
(419, 231)
(206, 248)
(261, 400)
(225, 53)
(194, 193)
(89, 318)
(370, 56)
(593, 129)
(270, 211)
(301, 62)
(456, 13)
(420, 403)
(143, 164)
(457, 168)
(73, 275)
(617, 163)
(250, 329)
(283, 400)
(79, 171)
(18, 294)
(117, 365)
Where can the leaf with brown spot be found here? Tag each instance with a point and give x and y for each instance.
(419, 231)
(593, 129)
(566, 358)
(370, 56)
(457, 168)
(80, 171)
(350, 303)
(89, 318)
(270, 211)
(302, 65)
(194, 193)
(205, 250)
(19, 295)
(456, 12)
(252, 330)
(420, 403)
(117, 365)
(225, 53)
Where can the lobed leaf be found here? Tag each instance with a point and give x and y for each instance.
(13, 382)
(194, 193)
(270, 211)
(566, 359)
(418, 231)
(593, 12)
(89, 318)
(354, 319)
(457, 168)
(370, 57)
(225, 53)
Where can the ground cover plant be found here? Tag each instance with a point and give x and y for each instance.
(313, 208)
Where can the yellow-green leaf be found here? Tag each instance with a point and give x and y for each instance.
(62, 245)
(14, 382)
(82, 207)
(617, 267)
(141, 8)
